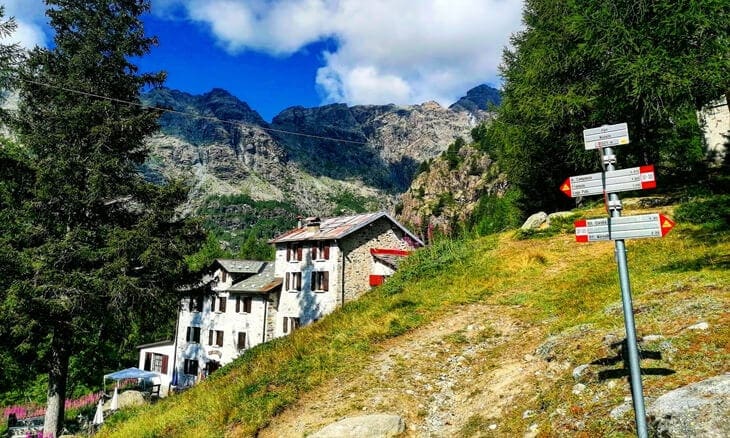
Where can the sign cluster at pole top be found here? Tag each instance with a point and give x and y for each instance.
(614, 181)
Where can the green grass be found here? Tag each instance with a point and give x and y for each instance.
(568, 291)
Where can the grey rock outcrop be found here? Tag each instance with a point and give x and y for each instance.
(535, 221)
(701, 409)
(366, 426)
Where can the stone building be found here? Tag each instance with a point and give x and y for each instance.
(325, 263)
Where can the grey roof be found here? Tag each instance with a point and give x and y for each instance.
(156, 344)
(339, 227)
(262, 282)
(240, 266)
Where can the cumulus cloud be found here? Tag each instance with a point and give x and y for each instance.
(30, 19)
(385, 51)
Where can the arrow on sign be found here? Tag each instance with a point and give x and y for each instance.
(613, 181)
(622, 227)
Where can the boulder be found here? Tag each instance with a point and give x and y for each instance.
(366, 426)
(535, 221)
(700, 409)
(558, 215)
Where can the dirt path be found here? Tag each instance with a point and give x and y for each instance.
(437, 377)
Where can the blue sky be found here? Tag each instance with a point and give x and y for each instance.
(274, 54)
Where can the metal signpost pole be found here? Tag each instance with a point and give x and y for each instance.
(637, 394)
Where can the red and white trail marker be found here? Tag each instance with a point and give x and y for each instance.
(623, 227)
(612, 181)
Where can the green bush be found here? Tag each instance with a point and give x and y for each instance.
(712, 212)
(494, 214)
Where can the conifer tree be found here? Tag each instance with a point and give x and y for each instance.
(104, 249)
(581, 64)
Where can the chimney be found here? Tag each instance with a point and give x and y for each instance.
(312, 224)
(299, 221)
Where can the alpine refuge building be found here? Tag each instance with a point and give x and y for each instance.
(326, 263)
(319, 266)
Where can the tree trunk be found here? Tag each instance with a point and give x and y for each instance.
(57, 373)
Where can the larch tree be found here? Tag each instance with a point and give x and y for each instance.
(103, 248)
(580, 64)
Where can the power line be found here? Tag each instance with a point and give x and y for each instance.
(189, 114)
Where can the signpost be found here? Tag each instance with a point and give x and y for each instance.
(635, 178)
(606, 136)
(618, 228)
(624, 227)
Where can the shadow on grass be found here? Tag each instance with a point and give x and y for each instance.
(620, 357)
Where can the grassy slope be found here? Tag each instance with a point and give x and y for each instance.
(567, 291)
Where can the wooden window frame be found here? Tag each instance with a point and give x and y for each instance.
(320, 281)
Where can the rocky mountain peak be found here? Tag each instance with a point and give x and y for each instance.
(478, 99)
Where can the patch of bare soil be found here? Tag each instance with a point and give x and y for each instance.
(471, 364)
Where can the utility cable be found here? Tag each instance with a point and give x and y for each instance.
(189, 114)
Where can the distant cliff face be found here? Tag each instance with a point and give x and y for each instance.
(307, 156)
(444, 195)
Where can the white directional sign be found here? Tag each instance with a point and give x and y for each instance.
(622, 227)
(606, 136)
(612, 181)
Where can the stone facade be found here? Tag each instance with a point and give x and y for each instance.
(359, 262)
(317, 280)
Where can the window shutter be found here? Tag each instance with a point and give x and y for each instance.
(299, 252)
(212, 304)
(238, 304)
(199, 303)
(219, 338)
(314, 251)
(286, 321)
(210, 337)
(196, 334)
(224, 276)
(287, 281)
(326, 251)
(223, 301)
(299, 281)
(325, 281)
(188, 334)
(288, 252)
(164, 364)
(147, 361)
(241, 340)
(313, 281)
(247, 304)
(191, 304)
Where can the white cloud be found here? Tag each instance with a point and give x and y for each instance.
(30, 19)
(387, 51)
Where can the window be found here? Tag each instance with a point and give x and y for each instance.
(321, 250)
(215, 337)
(293, 281)
(156, 362)
(224, 276)
(195, 304)
(293, 252)
(241, 344)
(290, 324)
(193, 334)
(191, 367)
(320, 281)
(243, 304)
(221, 304)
